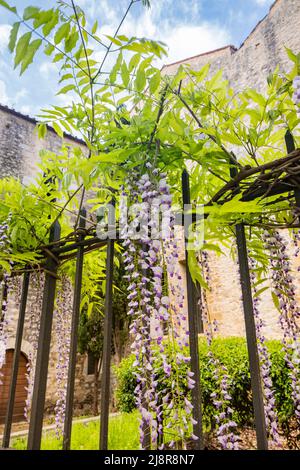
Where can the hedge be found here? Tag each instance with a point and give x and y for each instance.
(232, 352)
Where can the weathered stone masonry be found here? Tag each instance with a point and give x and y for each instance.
(248, 66)
(259, 54)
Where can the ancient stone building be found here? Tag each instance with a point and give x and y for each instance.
(249, 65)
(19, 154)
(262, 50)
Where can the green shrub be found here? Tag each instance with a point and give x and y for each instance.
(232, 353)
(124, 394)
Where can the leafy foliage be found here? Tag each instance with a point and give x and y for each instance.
(232, 352)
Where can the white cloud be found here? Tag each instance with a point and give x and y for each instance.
(264, 2)
(3, 94)
(183, 39)
(4, 36)
(26, 109)
(48, 68)
(189, 40)
(21, 94)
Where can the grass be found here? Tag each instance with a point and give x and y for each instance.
(122, 435)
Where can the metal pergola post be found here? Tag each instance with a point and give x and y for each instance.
(107, 340)
(16, 359)
(256, 382)
(193, 330)
(74, 337)
(255, 373)
(42, 361)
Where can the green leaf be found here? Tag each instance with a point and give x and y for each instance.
(71, 41)
(195, 269)
(257, 97)
(13, 36)
(114, 40)
(6, 5)
(66, 89)
(42, 130)
(134, 62)
(43, 17)
(140, 81)
(49, 49)
(67, 76)
(21, 48)
(58, 57)
(30, 52)
(293, 57)
(30, 12)
(57, 129)
(260, 291)
(48, 27)
(154, 82)
(275, 301)
(95, 27)
(116, 68)
(62, 32)
(125, 75)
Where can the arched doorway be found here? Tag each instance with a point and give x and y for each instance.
(21, 392)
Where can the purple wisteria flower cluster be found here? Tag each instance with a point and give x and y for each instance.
(156, 307)
(226, 427)
(4, 321)
(34, 308)
(4, 289)
(284, 291)
(264, 359)
(296, 95)
(62, 329)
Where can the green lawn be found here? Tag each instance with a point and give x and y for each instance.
(123, 435)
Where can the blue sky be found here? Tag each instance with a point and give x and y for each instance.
(189, 27)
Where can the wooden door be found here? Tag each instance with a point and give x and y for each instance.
(21, 392)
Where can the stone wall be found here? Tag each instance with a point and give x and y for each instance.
(259, 54)
(20, 145)
(83, 394)
(249, 65)
(19, 155)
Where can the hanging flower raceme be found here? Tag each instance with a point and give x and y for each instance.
(156, 308)
(296, 95)
(4, 291)
(264, 359)
(62, 328)
(34, 308)
(4, 321)
(284, 294)
(226, 427)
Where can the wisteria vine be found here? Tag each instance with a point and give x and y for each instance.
(156, 309)
(34, 308)
(226, 430)
(284, 291)
(62, 328)
(4, 289)
(264, 359)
